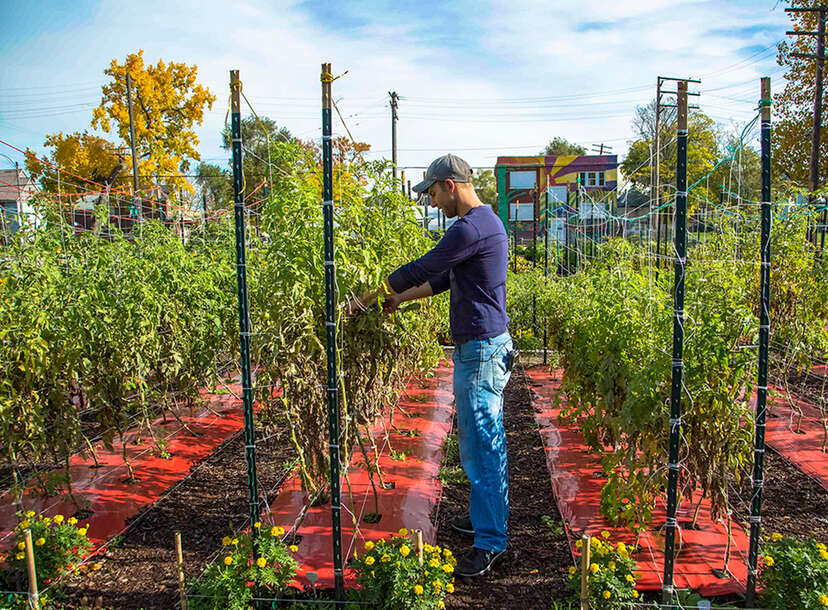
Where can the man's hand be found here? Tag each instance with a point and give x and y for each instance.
(391, 302)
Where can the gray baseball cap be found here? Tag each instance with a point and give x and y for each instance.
(447, 167)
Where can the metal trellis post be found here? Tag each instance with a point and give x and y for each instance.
(678, 343)
(330, 327)
(244, 318)
(764, 333)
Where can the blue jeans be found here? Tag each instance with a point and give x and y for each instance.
(480, 374)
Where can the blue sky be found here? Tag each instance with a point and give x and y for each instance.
(477, 78)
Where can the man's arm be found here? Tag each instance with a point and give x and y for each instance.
(392, 301)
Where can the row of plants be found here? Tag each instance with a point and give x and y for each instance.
(117, 329)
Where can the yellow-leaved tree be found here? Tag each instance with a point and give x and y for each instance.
(167, 104)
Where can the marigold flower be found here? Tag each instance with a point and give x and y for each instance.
(40, 541)
(21, 546)
(293, 548)
(20, 556)
(572, 570)
(257, 525)
(24, 524)
(447, 568)
(235, 542)
(776, 536)
(277, 531)
(611, 565)
(403, 532)
(821, 546)
(630, 578)
(594, 568)
(369, 560)
(418, 590)
(226, 540)
(228, 560)
(606, 594)
(46, 520)
(404, 550)
(385, 558)
(579, 544)
(58, 519)
(605, 534)
(823, 600)
(72, 521)
(369, 546)
(621, 547)
(823, 554)
(441, 604)
(261, 562)
(635, 594)
(82, 531)
(437, 586)
(30, 514)
(449, 588)
(446, 552)
(769, 561)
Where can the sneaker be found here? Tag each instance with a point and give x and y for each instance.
(477, 562)
(463, 525)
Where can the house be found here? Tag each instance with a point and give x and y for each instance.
(579, 189)
(16, 192)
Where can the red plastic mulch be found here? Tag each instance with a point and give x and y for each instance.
(106, 491)
(409, 504)
(577, 479)
(794, 429)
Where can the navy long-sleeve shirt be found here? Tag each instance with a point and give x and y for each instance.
(471, 259)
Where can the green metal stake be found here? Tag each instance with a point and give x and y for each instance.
(678, 343)
(764, 332)
(330, 327)
(241, 280)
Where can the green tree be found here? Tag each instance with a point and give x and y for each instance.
(484, 184)
(217, 184)
(562, 146)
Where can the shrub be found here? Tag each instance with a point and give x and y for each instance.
(229, 583)
(612, 575)
(390, 574)
(794, 574)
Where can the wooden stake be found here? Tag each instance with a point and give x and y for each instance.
(30, 566)
(418, 538)
(586, 557)
(182, 589)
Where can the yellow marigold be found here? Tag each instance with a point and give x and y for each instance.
(30, 514)
(226, 540)
(447, 568)
(602, 551)
(437, 586)
(621, 547)
(821, 546)
(611, 565)
(257, 525)
(385, 558)
(441, 604)
(261, 562)
(776, 536)
(369, 545)
(40, 541)
(293, 548)
(20, 556)
(823, 599)
(404, 550)
(446, 552)
(82, 531)
(449, 588)
(403, 532)
(572, 570)
(823, 554)
(579, 544)
(635, 594)
(630, 578)
(769, 561)
(228, 560)
(277, 531)
(72, 521)
(58, 519)
(606, 594)
(21, 546)
(418, 590)
(369, 560)
(434, 563)
(24, 524)
(47, 520)
(605, 535)
(594, 568)
(235, 542)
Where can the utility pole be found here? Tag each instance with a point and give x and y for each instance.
(813, 173)
(601, 147)
(140, 206)
(658, 216)
(394, 99)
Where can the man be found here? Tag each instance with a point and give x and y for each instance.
(471, 260)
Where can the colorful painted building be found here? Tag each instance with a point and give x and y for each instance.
(556, 180)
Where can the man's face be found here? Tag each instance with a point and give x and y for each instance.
(443, 196)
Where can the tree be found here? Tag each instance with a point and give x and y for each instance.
(83, 158)
(793, 107)
(217, 185)
(167, 104)
(562, 146)
(486, 187)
